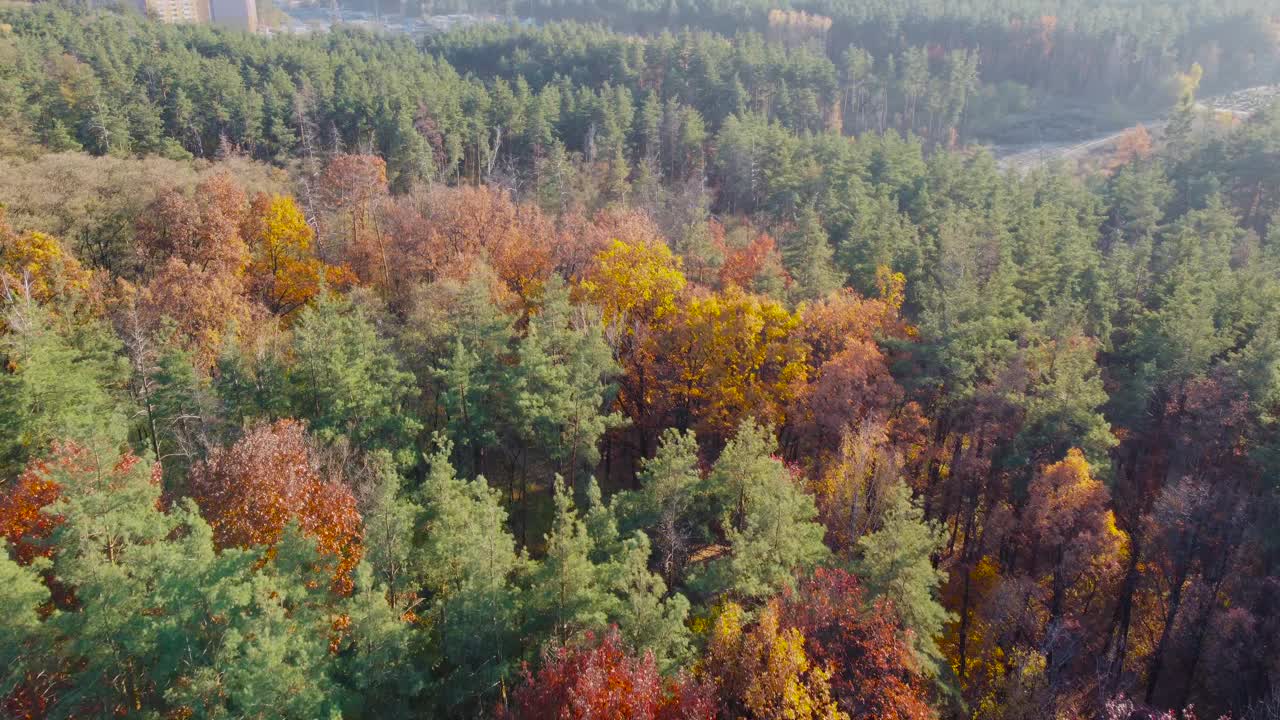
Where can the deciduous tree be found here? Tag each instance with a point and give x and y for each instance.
(252, 490)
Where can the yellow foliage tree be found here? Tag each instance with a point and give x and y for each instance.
(733, 355)
(633, 285)
(1069, 520)
(764, 672)
(37, 264)
(284, 273)
(636, 287)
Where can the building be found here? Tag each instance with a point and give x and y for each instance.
(175, 11)
(238, 14)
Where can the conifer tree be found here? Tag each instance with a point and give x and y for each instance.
(809, 257)
(768, 522)
(663, 506)
(56, 385)
(346, 381)
(645, 615)
(895, 562)
(473, 378)
(562, 385)
(565, 596)
(21, 638)
(466, 560)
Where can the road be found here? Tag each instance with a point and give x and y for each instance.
(1024, 158)
(1046, 153)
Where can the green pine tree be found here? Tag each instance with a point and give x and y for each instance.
(57, 385)
(346, 381)
(895, 562)
(22, 638)
(465, 561)
(769, 523)
(563, 385)
(809, 258)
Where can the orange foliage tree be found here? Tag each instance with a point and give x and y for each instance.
(851, 426)
(581, 239)
(252, 490)
(1134, 144)
(752, 264)
(198, 305)
(444, 232)
(351, 186)
(1069, 522)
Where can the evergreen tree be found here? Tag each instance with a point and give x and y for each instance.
(768, 522)
(562, 384)
(895, 562)
(809, 257)
(592, 576)
(565, 596)
(346, 381)
(644, 615)
(474, 380)
(390, 522)
(664, 504)
(379, 664)
(57, 385)
(251, 385)
(21, 638)
(465, 561)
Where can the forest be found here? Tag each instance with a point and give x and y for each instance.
(568, 371)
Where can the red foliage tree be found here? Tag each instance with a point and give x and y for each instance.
(202, 230)
(445, 232)
(875, 675)
(602, 681)
(23, 521)
(743, 266)
(250, 491)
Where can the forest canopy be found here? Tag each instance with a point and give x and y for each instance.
(697, 366)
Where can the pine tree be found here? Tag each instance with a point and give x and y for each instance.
(645, 616)
(162, 621)
(562, 385)
(662, 507)
(57, 385)
(769, 524)
(346, 381)
(593, 576)
(809, 258)
(474, 380)
(390, 522)
(616, 187)
(554, 179)
(465, 561)
(895, 562)
(379, 665)
(565, 596)
(21, 634)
